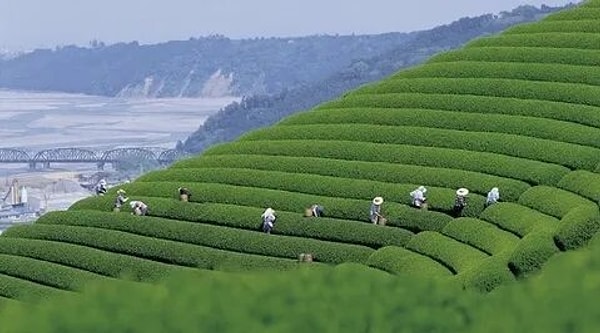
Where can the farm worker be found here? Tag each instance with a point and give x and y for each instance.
(120, 200)
(460, 202)
(268, 220)
(375, 211)
(139, 208)
(493, 196)
(184, 193)
(100, 188)
(314, 211)
(418, 197)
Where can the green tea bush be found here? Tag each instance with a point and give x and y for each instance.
(500, 165)
(351, 299)
(440, 199)
(577, 227)
(289, 223)
(46, 273)
(566, 154)
(490, 274)
(86, 258)
(551, 39)
(383, 172)
(552, 201)
(575, 26)
(452, 253)
(349, 209)
(577, 113)
(399, 260)
(481, 235)
(563, 73)
(530, 55)
(533, 251)
(159, 250)
(520, 89)
(519, 220)
(584, 183)
(23, 290)
(542, 128)
(575, 14)
(216, 237)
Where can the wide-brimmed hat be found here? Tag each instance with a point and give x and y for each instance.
(462, 192)
(269, 211)
(378, 201)
(121, 191)
(422, 189)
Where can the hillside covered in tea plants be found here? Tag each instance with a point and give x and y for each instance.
(519, 111)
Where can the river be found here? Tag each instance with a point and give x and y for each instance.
(34, 120)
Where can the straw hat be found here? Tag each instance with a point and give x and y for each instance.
(378, 201)
(121, 191)
(422, 189)
(462, 192)
(269, 211)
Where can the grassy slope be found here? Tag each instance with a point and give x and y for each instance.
(499, 112)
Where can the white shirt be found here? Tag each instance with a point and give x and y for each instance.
(493, 196)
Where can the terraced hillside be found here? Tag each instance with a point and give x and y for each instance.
(519, 111)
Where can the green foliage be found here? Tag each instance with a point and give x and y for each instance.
(401, 261)
(584, 183)
(476, 122)
(551, 39)
(577, 227)
(533, 251)
(515, 218)
(575, 14)
(529, 55)
(86, 258)
(577, 113)
(159, 250)
(46, 273)
(575, 26)
(348, 209)
(566, 154)
(23, 290)
(452, 253)
(490, 274)
(564, 73)
(383, 172)
(481, 235)
(289, 223)
(440, 199)
(345, 299)
(552, 201)
(521, 89)
(216, 237)
(500, 165)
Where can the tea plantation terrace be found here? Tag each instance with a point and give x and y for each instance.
(519, 111)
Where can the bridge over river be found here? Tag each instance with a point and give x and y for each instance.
(82, 155)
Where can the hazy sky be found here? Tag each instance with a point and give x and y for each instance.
(26, 24)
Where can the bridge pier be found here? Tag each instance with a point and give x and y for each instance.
(32, 165)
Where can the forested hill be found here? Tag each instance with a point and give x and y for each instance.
(211, 66)
(261, 110)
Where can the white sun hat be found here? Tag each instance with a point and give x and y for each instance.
(462, 192)
(268, 211)
(422, 189)
(378, 201)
